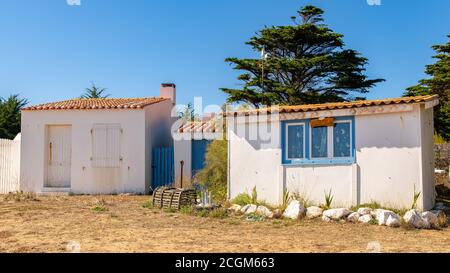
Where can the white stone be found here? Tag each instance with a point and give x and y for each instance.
(264, 211)
(235, 207)
(383, 215)
(364, 211)
(250, 208)
(414, 219)
(313, 212)
(393, 221)
(326, 219)
(430, 219)
(337, 214)
(294, 210)
(365, 219)
(353, 217)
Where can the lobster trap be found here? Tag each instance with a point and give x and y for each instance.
(173, 198)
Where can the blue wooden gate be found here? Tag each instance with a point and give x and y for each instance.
(199, 148)
(162, 167)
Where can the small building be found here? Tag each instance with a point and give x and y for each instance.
(95, 146)
(358, 152)
(191, 141)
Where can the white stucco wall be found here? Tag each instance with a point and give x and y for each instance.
(183, 152)
(158, 122)
(130, 177)
(427, 142)
(393, 160)
(388, 155)
(253, 163)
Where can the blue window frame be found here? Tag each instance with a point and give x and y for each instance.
(304, 145)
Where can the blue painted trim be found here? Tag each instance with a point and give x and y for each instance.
(317, 161)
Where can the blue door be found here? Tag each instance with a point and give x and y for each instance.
(162, 167)
(198, 154)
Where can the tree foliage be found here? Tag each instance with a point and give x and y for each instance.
(214, 174)
(94, 92)
(10, 116)
(306, 63)
(438, 83)
(188, 113)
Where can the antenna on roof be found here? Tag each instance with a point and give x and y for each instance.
(264, 57)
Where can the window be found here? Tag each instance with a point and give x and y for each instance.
(295, 138)
(106, 142)
(342, 141)
(319, 145)
(304, 144)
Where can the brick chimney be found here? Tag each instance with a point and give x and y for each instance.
(169, 91)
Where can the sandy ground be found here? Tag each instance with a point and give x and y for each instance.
(49, 224)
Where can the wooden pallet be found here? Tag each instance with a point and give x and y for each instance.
(173, 198)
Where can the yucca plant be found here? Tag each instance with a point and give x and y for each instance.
(328, 200)
(287, 197)
(415, 199)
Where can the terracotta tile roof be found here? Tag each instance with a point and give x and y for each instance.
(336, 105)
(210, 126)
(94, 104)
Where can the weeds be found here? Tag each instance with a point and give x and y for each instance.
(20, 196)
(254, 217)
(170, 210)
(254, 196)
(203, 213)
(100, 206)
(373, 205)
(218, 213)
(188, 210)
(147, 205)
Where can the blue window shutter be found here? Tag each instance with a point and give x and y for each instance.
(295, 141)
(341, 139)
(319, 145)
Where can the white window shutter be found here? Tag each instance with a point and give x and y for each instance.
(106, 144)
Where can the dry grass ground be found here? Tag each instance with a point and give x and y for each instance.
(122, 224)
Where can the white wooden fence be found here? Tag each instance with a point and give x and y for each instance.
(9, 165)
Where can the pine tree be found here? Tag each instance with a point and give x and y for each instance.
(306, 63)
(438, 83)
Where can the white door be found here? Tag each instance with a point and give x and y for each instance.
(59, 154)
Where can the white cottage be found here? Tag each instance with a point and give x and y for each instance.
(94, 146)
(363, 151)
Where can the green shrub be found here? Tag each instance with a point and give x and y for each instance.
(214, 174)
(242, 199)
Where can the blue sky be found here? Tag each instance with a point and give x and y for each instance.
(51, 51)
